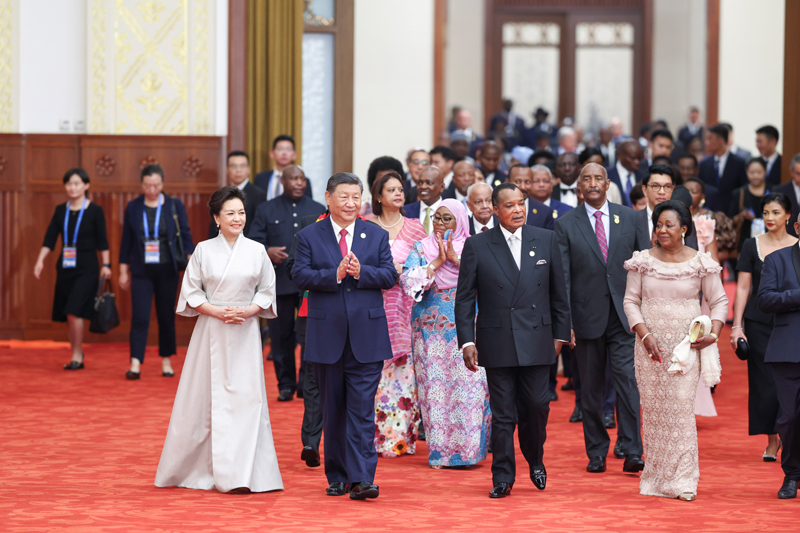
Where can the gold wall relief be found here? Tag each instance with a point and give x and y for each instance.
(9, 66)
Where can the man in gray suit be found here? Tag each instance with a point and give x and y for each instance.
(595, 240)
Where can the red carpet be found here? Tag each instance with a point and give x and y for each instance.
(79, 452)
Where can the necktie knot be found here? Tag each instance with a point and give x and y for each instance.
(484, 229)
(598, 214)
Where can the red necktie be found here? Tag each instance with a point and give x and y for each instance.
(484, 229)
(600, 231)
(343, 242)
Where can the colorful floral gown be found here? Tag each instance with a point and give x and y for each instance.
(454, 401)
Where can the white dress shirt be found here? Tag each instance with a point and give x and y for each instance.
(626, 178)
(569, 199)
(242, 185)
(276, 187)
(650, 220)
(547, 203)
(605, 218)
(461, 198)
(479, 227)
(514, 241)
(423, 206)
(448, 179)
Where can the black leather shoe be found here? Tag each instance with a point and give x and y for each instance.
(539, 476)
(500, 490)
(633, 463)
(310, 456)
(577, 415)
(596, 465)
(421, 432)
(363, 490)
(299, 394)
(337, 488)
(788, 489)
(74, 365)
(618, 453)
(608, 421)
(286, 396)
(552, 396)
(168, 374)
(133, 375)
(568, 385)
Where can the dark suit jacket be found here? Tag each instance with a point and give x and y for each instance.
(498, 177)
(262, 182)
(685, 136)
(131, 249)
(353, 308)
(521, 311)
(613, 175)
(733, 176)
(413, 209)
(540, 215)
(255, 197)
(410, 192)
(774, 177)
(788, 190)
(276, 223)
(645, 238)
(450, 192)
(779, 293)
(559, 207)
(472, 224)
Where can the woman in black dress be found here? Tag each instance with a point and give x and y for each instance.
(82, 225)
(746, 201)
(776, 210)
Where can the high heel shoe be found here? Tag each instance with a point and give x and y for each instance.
(687, 496)
(75, 365)
(771, 458)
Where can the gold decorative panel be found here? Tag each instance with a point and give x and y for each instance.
(9, 65)
(151, 67)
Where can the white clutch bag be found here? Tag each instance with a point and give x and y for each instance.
(684, 357)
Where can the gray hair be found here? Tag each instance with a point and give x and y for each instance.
(477, 184)
(343, 178)
(541, 168)
(795, 161)
(566, 130)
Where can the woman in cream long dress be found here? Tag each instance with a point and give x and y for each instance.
(219, 434)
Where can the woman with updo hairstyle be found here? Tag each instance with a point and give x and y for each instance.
(755, 326)
(662, 298)
(396, 410)
(82, 225)
(224, 444)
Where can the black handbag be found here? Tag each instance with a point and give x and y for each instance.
(180, 252)
(105, 316)
(742, 349)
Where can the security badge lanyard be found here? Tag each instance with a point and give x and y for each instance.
(151, 245)
(70, 253)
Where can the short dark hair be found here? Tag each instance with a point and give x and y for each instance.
(343, 178)
(662, 160)
(644, 129)
(503, 187)
(720, 131)
(284, 137)
(666, 170)
(149, 170)
(727, 125)
(221, 196)
(636, 193)
(759, 160)
(661, 133)
(491, 144)
(688, 156)
(589, 152)
(698, 181)
(377, 190)
(237, 153)
(677, 207)
(660, 124)
(385, 162)
(550, 156)
(769, 131)
(518, 165)
(445, 151)
(80, 172)
(778, 197)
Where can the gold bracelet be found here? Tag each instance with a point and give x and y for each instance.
(716, 338)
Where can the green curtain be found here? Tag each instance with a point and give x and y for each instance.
(274, 76)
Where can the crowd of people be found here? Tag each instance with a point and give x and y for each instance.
(442, 308)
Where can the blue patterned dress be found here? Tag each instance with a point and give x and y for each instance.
(454, 401)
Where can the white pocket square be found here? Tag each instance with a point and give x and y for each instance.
(541, 262)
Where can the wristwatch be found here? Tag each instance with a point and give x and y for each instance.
(107, 265)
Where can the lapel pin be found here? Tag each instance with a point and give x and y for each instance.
(496, 183)
(532, 253)
(535, 211)
(555, 214)
(363, 235)
(616, 219)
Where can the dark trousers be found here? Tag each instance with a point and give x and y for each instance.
(787, 381)
(614, 350)
(283, 341)
(162, 281)
(311, 430)
(762, 403)
(347, 388)
(517, 393)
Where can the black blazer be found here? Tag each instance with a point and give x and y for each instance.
(788, 190)
(733, 176)
(780, 294)
(131, 249)
(521, 311)
(774, 177)
(645, 238)
(262, 182)
(613, 175)
(255, 197)
(276, 223)
(472, 224)
(685, 136)
(540, 215)
(593, 284)
(497, 178)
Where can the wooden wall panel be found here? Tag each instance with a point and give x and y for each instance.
(31, 172)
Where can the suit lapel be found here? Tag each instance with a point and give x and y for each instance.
(615, 229)
(527, 262)
(642, 227)
(796, 261)
(585, 227)
(502, 254)
(326, 227)
(358, 241)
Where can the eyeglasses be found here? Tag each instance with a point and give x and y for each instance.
(442, 220)
(656, 187)
(283, 150)
(423, 162)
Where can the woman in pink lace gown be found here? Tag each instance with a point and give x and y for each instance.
(396, 410)
(661, 300)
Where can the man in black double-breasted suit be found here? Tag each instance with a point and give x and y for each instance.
(239, 176)
(596, 239)
(276, 223)
(514, 270)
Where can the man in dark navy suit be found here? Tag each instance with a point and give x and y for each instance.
(767, 144)
(489, 164)
(463, 178)
(542, 189)
(779, 293)
(722, 169)
(537, 214)
(626, 173)
(567, 170)
(283, 154)
(275, 225)
(344, 263)
(479, 203)
(692, 129)
(792, 189)
(238, 172)
(430, 190)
